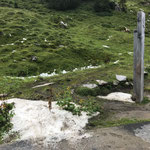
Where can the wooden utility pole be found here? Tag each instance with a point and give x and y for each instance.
(138, 77)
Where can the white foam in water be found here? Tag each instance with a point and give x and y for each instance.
(34, 120)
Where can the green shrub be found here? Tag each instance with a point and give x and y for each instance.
(63, 4)
(66, 102)
(83, 91)
(6, 114)
(104, 6)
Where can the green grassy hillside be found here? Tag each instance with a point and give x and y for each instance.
(33, 40)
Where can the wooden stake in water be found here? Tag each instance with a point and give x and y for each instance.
(139, 37)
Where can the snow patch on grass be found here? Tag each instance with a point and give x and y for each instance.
(33, 120)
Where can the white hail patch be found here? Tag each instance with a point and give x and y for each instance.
(118, 96)
(33, 120)
(55, 74)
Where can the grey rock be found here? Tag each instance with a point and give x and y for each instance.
(121, 78)
(101, 82)
(65, 25)
(34, 58)
(89, 85)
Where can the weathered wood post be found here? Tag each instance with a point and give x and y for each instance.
(138, 77)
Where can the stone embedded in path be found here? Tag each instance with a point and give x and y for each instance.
(121, 78)
(89, 85)
(118, 96)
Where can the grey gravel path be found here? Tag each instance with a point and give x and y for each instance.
(114, 138)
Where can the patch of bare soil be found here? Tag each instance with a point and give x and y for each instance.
(122, 110)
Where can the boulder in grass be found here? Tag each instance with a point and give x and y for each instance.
(121, 78)
(89, 85)
(34, 58)
(101, 82)
(64, 25)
